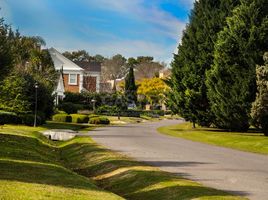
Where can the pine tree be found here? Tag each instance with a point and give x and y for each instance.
(195, 57)
(259, 110)
(231, 81)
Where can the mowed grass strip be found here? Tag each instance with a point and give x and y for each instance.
(131, 179)
(251, 141)
(30, 168)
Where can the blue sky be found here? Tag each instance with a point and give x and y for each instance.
(106, 27)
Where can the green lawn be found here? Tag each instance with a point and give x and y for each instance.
(251, 141)
(31, 167)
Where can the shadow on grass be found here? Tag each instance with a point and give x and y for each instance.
(40, 173)
(16, 147)
(142, 184)
(175, 163)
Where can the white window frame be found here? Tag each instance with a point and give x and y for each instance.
(69, 82)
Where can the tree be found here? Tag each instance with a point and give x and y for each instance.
(259, 110)
(80, 55)
(22, 64)
(232, 80)
(195, 56)
(130, 85)
(114, 68)
(152, 90)
(7, 38)
(147, 68)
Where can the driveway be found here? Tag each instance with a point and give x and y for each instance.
(241, 173)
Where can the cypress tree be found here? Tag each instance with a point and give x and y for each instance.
(195, 57)
(130, 87)
(232, 80)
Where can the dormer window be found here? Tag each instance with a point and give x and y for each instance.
(72, 79)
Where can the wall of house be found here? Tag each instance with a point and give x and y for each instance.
(71, 88)
(90, 83)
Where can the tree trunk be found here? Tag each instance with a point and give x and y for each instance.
(194, 124)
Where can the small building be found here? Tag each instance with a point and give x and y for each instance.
(75, 77)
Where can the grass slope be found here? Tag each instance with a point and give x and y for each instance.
(128, 178)
(251, 141)
(30, 168)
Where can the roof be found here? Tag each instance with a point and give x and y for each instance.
(61, 62)
(89, 66)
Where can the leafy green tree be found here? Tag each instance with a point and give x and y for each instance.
(195, 56)
(259, 110)
(232, 80)
(7, 38)
(130, 85)
(22, 64)
(80, 55)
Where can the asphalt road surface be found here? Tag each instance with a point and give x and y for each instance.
(241, 173)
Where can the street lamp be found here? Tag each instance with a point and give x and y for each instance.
(35, 109)
(94, 104)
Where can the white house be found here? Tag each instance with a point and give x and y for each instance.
(75, 77)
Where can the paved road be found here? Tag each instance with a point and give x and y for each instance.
(241, 173)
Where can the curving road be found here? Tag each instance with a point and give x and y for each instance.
(241, 173)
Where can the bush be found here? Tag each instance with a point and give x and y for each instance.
(107, 110)
(131, 113)
(78, 118)
(9, 118)
(153, 113)
(70, 108)
(28, 119)
(99, 120)
(62, 118)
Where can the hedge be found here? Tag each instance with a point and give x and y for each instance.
(99, 120)
(62, 118)
(70, 108)
(78, 118)
(28, 119)
(9, 118)
(153, 113)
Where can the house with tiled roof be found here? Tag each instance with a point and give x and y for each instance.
(75, 76)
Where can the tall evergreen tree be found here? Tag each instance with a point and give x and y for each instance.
(232, 79)
(195, 57)
(130, 86)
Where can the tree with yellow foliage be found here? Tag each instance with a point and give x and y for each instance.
(153, 90)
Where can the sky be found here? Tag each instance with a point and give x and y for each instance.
(107, 27)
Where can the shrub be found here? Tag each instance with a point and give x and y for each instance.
(9, 118)
(99, 120)
(70, 108)
(153, 113)
(62, 118)
(28, 119)
(107, 110)
(78, 118)
(131, 113)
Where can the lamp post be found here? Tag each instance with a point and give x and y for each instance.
(94, 104)
(35, 108)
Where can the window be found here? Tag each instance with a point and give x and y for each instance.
(72, 79)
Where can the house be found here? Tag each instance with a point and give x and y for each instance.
(75, 77)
